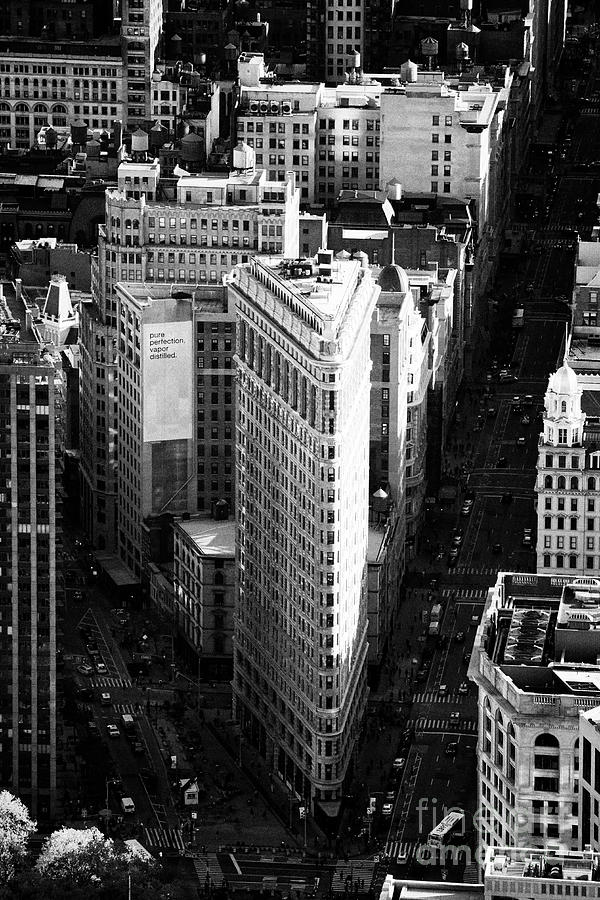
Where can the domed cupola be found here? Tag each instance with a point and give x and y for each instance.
(393, 278)
(563, 418)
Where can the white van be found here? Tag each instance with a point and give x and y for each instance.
(127, 805)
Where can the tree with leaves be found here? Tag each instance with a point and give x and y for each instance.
(79, 856)
(75, 861)
(16, 826)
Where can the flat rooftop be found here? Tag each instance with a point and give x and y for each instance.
(543, 633)
(326, 295)
(212, 537)
(511, 862)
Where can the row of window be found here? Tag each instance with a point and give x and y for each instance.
(559, 523)
(590, 543)
(572, 560)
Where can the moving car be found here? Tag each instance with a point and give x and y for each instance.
(457, 537)
(127, 805)
(502, 462)
(525, 420)
(496, 548)
(451, 748)
(101, 668)
(399, 763)
(463, 687)
(113, 731)
(466, 508)
(387, 809)
(105, 699)
(459, 637)
(521, 441)
(504, 375)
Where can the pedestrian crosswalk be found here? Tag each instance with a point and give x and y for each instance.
(434, 697)
(401, 851)
(465, 595)
(476, 570)
(208, 868)
(460, 725)
(163, 838)
(111, 681)
(348, 874)
(131, 709)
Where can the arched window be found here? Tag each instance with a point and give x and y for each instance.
(127, 223)
(560, 561)
(59, 108)
(4, 107)
(40, 108)
(574, 484)
(547, 740)
(548, 481)
(563, 407)
(561, 482)
(591, 484)
(21, 108)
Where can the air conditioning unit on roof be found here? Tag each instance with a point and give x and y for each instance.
(274, 107)
(286, 107)
(253, 106)
(264, 106)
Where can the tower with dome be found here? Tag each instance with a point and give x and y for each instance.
(568, 481)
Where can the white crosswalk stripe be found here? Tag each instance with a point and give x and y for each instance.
(111, 681)
(465, 594)
(131, 709)
(163, 838)
(401, 850)
(458, 725)
(434, 697)
(356, 870)
(476, 570)
(207, 867)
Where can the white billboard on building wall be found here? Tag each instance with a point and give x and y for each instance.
(168, 381)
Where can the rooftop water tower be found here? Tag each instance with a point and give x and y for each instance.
(429, 49)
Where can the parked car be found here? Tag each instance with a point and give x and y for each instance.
(457, 537)
(387, 809)
(85, 669)
(399, 763)
(101, 668)
(502, 462)
(451, 748)
(526, 420)
(127, 805)
(105, 699)
(113, 731)
(466, 508)
(463, 687)
(459, 637)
